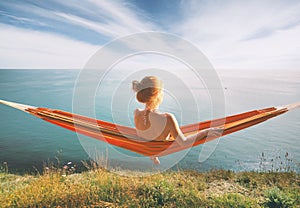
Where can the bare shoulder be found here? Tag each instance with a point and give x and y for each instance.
(170, 117)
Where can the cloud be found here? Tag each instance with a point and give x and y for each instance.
(58, 35)
(240, 34)
(128, 19)
(233, 34)
(107, 18)
(22, 48)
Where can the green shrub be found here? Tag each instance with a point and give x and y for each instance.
(234, 200)
(278, 199)
(156, 195)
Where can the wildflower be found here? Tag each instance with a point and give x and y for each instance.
(69, 163)
(65, 167)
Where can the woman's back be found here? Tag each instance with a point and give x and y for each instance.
(151, 125)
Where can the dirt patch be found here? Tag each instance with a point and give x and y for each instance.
(221, 187)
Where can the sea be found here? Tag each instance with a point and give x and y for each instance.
(29, 144)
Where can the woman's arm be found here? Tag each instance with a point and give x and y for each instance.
(176, 132)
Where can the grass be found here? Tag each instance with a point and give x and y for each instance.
(101, 188)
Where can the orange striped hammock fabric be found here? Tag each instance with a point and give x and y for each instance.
(127, 138)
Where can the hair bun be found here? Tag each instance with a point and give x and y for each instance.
(136, 85)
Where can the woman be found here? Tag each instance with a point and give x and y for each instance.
(154, 125)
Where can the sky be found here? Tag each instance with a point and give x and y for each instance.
(258, 34)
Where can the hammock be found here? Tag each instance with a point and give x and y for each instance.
(127, 138)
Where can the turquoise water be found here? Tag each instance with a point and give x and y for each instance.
(27, 142)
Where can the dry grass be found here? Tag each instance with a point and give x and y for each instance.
(100, 188)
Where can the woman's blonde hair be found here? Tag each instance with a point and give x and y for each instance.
(147, 90)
